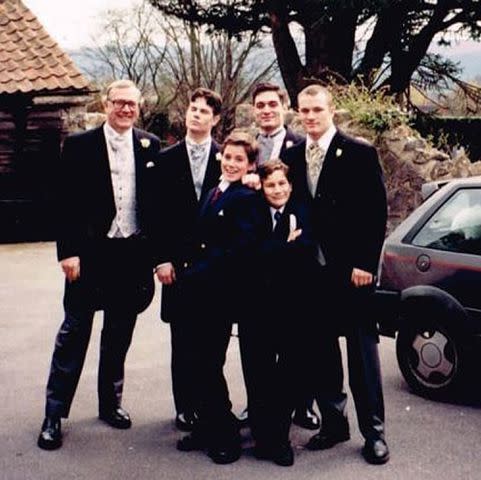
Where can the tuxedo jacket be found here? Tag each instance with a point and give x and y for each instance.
(173, 221)
(86, 209)
(349, 208)
(292, 138)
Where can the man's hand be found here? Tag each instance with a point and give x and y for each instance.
(294, 234)
(252, 180)
(71, 268)
(361, 278)
(166, 273)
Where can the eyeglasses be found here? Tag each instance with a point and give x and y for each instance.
(120, 104)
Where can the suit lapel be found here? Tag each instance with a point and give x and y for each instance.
(212, 172)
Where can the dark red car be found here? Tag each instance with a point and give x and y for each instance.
(429, 289)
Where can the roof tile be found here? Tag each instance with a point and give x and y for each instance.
(31, 60)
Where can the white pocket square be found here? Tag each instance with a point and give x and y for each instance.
(221, 213)
(150, 164)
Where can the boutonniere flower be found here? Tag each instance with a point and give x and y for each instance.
(150, 164)
(289, 143)
(218, 156)
(338, 152)
(145, 142)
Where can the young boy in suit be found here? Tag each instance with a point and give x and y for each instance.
(271, 336)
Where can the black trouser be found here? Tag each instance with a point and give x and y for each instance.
(184, 384)
(272, 366)
(69, 355)
(363, 364)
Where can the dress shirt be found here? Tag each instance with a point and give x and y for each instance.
(273, 213)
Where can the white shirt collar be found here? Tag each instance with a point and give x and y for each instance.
(190, 142)
(274, 210)
(109, 132)
(223, 185)
(325, 139)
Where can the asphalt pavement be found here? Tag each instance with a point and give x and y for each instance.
(428, 440)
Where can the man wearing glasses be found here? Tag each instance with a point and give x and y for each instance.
(104, 254)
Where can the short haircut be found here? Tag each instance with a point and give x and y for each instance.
(120, 84)
(243, 139)
(271, 166)
(213, 99)
(315, 89)
(271, 87)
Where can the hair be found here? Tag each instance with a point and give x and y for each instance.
(213, 99)
(271, 166)
(315, 89)
(271, 87)
(121, 84)
(243, 139)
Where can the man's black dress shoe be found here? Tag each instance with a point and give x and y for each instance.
(376, 451)
(243, 418)
(324, 440)
(185, 421)
(190, 442)
(50, 437)
(283, 456)
(116, 418)
(306, 418)
(224, 455)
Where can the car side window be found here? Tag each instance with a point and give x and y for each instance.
(456, 226)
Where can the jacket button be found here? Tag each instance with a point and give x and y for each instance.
(202, 245)
(186, 264)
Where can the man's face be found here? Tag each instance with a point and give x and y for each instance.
(316, 114)
(268, 111)
(235, 163)
(200, 118)
(122, 108)
(277, 189)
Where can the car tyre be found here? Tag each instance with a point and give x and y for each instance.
(432, 359)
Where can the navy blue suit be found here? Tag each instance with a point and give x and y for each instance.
(213, 277)
(115, 274)
(271, 335)
(349, 212)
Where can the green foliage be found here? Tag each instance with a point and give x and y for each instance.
(374, 110)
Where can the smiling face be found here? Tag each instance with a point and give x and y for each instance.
(122, 108)
(277, 189)
(200, 119)
(235, 163)
(316, 113)
(269, 111)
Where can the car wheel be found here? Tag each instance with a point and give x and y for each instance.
(431, 359)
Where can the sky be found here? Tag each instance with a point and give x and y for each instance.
(72, 23)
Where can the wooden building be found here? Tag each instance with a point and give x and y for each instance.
(42, 97)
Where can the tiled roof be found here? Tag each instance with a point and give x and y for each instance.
(30, 60)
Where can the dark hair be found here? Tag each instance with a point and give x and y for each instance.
(270, 87)
(213, 99)
(271, 166)
(243, 139)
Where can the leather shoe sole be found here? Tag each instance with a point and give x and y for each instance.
(323, 441)
(376, 452)
(117, 418)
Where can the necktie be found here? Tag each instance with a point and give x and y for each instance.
(315, 156)
(266, 145)
(197, 153)
(118, 144)
(277, 216)
(217, 193)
